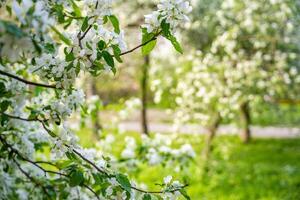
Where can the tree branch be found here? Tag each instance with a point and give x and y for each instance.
(23, 119)
(94, 166)
(26, 81)
(31, 178)
(141, 45)
(36, 164)
(159, 192)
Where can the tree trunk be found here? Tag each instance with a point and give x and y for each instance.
(245, 121)
(144, 91)
(212, 128)
(96, 123)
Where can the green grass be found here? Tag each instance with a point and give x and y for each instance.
(268, 114)
(266, 169)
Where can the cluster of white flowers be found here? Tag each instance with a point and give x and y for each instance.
(174, 12)
(40, 19)
(131, 105)
(157, 150)
(104, 7)
(129, 151)
(244, 62)
(44, 48)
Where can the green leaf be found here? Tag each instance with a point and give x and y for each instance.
(96, 68)
(108, 58)
(105, 19)
(59, 9)
(3, 119)
(117, 52)
(76, 9)
(184, 193)
(147, 197)
(36, 46)
(165, 28)
(70, 57)
(76, 178)
(2, 89)
(4, 105)
(49, 48)
(115, 22)
(146, 49)
(99, 178)
(85, 24)
(124, 182)
(12, 29)
(101, 45)
(61, 36)
(175, 44)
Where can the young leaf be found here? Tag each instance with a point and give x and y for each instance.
(175, 44)
(85, 24)
(115, 22)
(117, 52)
(49, 48)
(184, 194)
(101, 45)
(108, 58)
(165, 28)
(76, 178)
(75, 8)
(61, 36)
(146, 49)
(12, 29)
(124, 182)
(4, 105)
(147, 197)
(70, 57)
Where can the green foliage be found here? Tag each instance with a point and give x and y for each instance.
(124, 182)
(263, 169)
(147, 197)
(184, 193)
(85, 24)
(76, 178)
(61, 36)
(146, 37)
(115, 22)
(11, 29)
(76, 9)
(167, 34)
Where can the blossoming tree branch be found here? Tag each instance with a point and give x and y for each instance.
(45, 47)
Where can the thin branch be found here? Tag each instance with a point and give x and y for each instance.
(159, 192)
(47, 163)
(31, 178)
(89, 162)
(26, 81)
(91, 190)
(23, 119)
(36, 164)
(141, 45)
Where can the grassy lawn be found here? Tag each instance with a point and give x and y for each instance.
(266, 169)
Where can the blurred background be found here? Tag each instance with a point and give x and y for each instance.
(233, 95)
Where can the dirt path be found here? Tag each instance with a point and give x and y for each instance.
(262, 132)
(161, 122)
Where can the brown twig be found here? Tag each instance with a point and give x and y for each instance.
(26, 81)
(141, 45)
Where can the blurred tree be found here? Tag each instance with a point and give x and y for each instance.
(246, 52)
(144, 94)
(134, 21)
(255, 46)
(92, 94)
